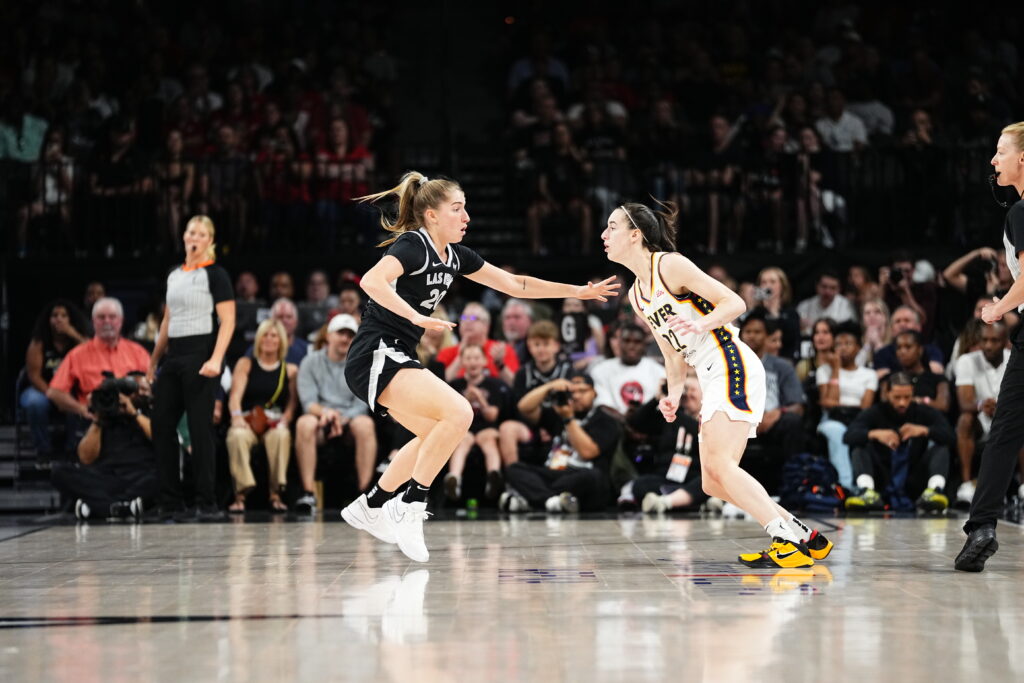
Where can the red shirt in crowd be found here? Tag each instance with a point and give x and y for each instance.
(340, 178)
(448, 355)
(81, 371)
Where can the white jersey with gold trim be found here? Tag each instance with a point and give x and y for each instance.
(731, 375)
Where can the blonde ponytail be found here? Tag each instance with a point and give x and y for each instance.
(416, 193)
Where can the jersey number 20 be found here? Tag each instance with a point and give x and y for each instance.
(435, 298)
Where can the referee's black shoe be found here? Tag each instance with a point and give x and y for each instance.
(981, 544)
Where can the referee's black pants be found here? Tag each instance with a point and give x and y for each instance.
(1004, 443)
(180, 388)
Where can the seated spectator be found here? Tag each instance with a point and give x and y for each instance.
(827, 303)
(58, 329)
(781, 428)
(516, 318)
(285, 312)
(823, 345)
(53, 184)
(83, 368)
(263, 402)
(628, 381)
(845, 389)
(861, 287)
(905, 319)
(930, 388)
(901, 448)
(968, 340)
(319, 301)
(582, 333)
(671, 480)
(490, 399)
(331, 411)
(775, 296)
(282, 286)
(575, 476)
(978, 377)
(474, 326)
(901, 289)
(116, 470)
(544, 365)
(343, 172)
(874, 321)
(350, 302)
(560, 192)
(117, 182)
(823, 334)
(248, 307)
(840, 130)
(175, 179)
(716, 173)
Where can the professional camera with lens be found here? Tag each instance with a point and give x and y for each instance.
(559, 398)
(105, 402)
(762, 293)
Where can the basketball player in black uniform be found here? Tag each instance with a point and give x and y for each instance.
(1007, 435)
(404, 288)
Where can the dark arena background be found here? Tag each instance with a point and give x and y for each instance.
(830, 162)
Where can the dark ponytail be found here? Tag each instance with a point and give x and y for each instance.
(657, 227)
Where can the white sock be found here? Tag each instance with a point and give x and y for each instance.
(801, 529)
(865, 481)
(777, 528)
(936, 481)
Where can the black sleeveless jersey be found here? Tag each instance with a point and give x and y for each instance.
(423, 284)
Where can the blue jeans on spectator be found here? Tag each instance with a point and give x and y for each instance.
(37, 411)
(838, 452)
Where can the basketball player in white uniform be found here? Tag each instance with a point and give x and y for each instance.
(690, 313)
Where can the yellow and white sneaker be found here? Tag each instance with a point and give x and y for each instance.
(781, 553)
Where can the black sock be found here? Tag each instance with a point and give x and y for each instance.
(378, 496)
(415, 493)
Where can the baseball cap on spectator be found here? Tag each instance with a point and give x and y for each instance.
(343, 321)
(582, 376)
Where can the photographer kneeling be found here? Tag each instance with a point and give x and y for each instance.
(117, 467)
(575, 476)
(668, 465)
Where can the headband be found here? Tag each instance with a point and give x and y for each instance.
(623, 207)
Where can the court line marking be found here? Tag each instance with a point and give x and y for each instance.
(24, 533)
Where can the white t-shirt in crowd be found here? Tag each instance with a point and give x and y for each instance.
(811, 310)
(852, 383)
(972, 370)
(617, 383)
(841, 135)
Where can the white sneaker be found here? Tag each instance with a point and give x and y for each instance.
(405, 521)
(510, 501)
(965, 492)
(553, 504)
(730, 511)
(714, 505)
(81, 509)
(1020, 493)
(654, 503)
(359, 514)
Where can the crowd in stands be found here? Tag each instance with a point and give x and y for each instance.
(269, 120)
(770, 125)
(891, 378)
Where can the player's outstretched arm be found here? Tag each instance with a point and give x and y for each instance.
(377, 285)
(526, 287)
